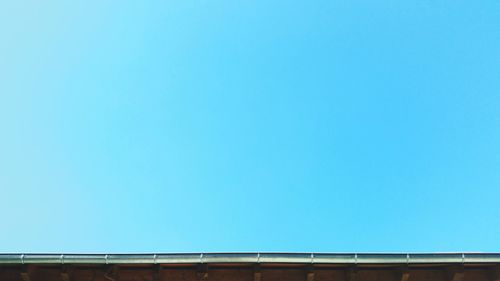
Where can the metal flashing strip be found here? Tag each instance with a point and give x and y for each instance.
(274, 258)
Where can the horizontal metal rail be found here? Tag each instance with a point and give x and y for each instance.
(224, 258)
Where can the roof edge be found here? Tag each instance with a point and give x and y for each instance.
(299, 258)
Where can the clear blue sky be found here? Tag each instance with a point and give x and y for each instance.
(167, 126)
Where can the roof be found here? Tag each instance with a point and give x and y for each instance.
(253, 258)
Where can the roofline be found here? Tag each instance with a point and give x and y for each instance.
(254, 258)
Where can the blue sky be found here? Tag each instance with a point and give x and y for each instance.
(180, 126)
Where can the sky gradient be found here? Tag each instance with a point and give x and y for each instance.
(181, 126)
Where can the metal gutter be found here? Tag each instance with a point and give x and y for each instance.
(223, 258)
